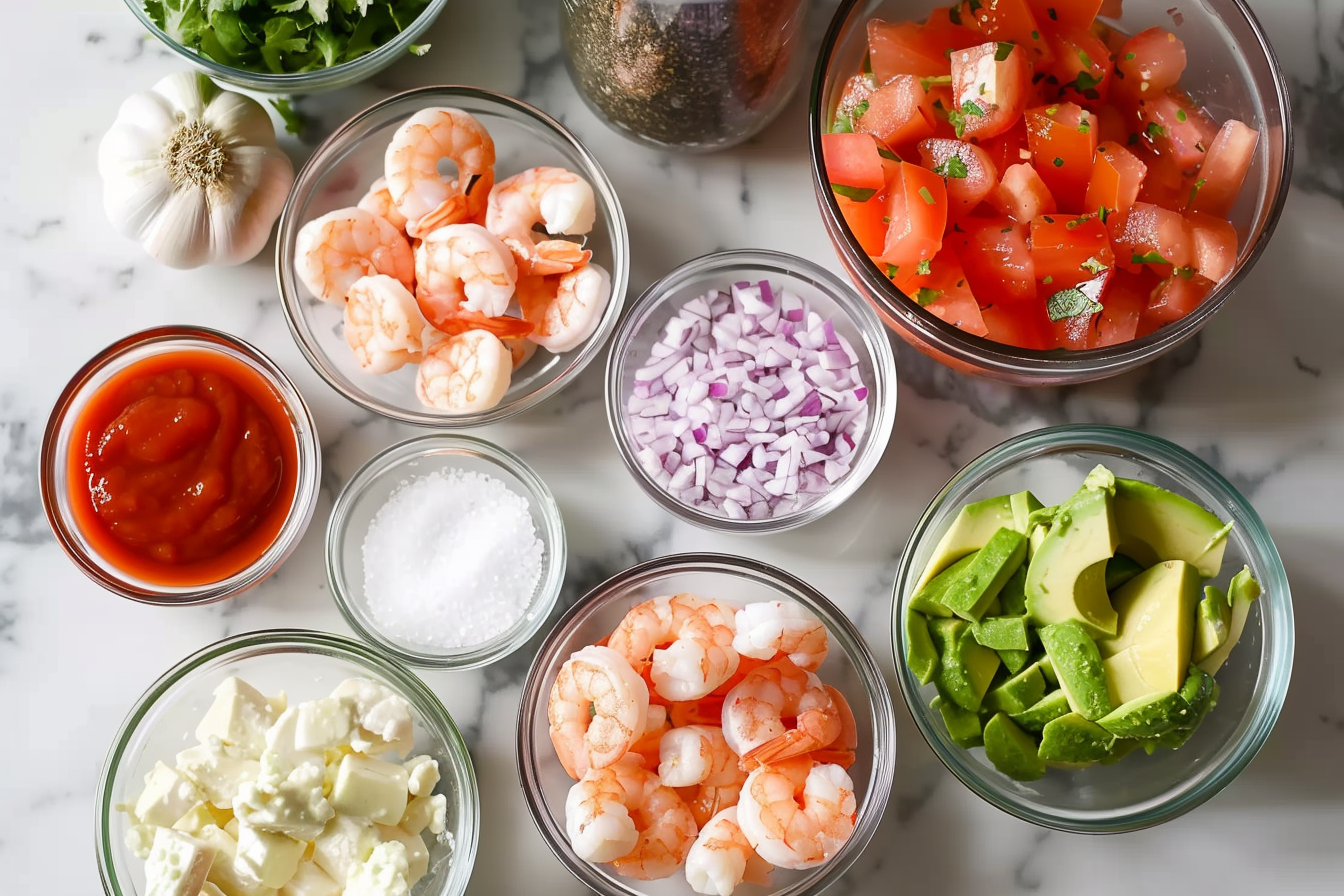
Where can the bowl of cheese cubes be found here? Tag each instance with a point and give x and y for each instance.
(287, 763)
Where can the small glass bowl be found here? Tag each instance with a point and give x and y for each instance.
(57, 444)
(850, 668)
(337, 175)
(306, 665)
(828, 296)
(369, 489)
(1233, 71)
(342, 75)
(1139, 791)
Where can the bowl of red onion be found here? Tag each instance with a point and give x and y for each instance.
(751, 391)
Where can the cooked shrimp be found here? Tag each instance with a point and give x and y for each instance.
(705, 711)
(379, 201)
(564, 310)
(797, 815)
(521, 350)
(697, 754)
(664, 822)
(383, 324)
(705, 801)
(464, 279)
(721, 858)
(766, 629)
(598, 708)
(597, 821)
(843, 750)
(687, 638)
(465, 373)
(425, 197)
(646, 750)
(556, 198)
(755, 711)
(335, 250)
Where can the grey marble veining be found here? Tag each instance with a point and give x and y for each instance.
(1260, 395)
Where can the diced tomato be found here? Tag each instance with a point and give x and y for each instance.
(1225, 167)
(918, 212)
(1116, 178)
(1173, 126)
(1177, 296)
(1126, 298)
(1164, 184)
(969, 179)
(1112, 125)
(1059, 16)
(1149, 234)
(1010, 21)
(1150, 62)
(989, 92)
(905, 48)
(1009, 148)
(1077, 331)
(858, 163)
(944, 291)
(867, 221)
(1067, 251)
(899, 112)
(1082, 66)
(1213, 245)
(1022, 195)
(949, 31)
(997, 260)
(857, 90)
(1023, 325)
(1063, 141)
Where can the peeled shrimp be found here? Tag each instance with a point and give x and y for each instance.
(706, 801)
(379, 201)
(383, 325)
(598, 708)
(597, 821)
(697, 754)
(521, 350)
(556, 198)
(565, 310)
(664, 822)
(797, 814)
(755, 711)
(335, 250)
(721, 858)
(465, 373)
(687, 638)
(647, 750)
(766, 629)
(427, 199)
(464, 279)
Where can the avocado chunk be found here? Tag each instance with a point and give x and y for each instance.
(1024, 504)
(1077, 664)
(1066, 578)
(980, 583)
(1002, 632)
(1242, 591)
(1119, 570)
(1012, 750)
(1127, 676)
(1148, 716)
(1157, 525)
(1048, 670)
(1017, 694)
(1043, 711)
(965, 669)
(1157, 614)
(929, 598)
(963, 727)
(1119, 750)
(1013, 595)
(920, 655)
(1072, 738)
(1015, 660)
(974, 525)
(1212, 622)
(1202, 700)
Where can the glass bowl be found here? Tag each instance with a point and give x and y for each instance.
(342, 75)
(828, 296)
(57, 442)
(336, 176)
(1140, 790)
(306, 665)
(850, 668)
(369, 489)
(1233, 72)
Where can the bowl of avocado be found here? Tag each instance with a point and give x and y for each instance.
(1104, 663)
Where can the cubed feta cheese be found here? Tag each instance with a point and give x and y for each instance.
(239, 717)
(284, 799)
(382, 718)
(425, 812)
(417, 854)
(383, 873)
(324, 724)
(282, 739)
(424, 774)
(217, 773)
(270, 858)
(370, 787)
(140, 840)
(177, 864)
(197, 817)
(346, 841)
(310, 880)
(166, 798)
(223, 873)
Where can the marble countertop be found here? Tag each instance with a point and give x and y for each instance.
(1260, 395)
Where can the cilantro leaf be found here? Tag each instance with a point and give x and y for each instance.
(1149, 258)
(1072, 302)
(925, 296)
(294, 120)
(954, 167)
(1156, 130)
(856, 194)
(1004, 50)
(957, 117)
(924, 267)
(1092, 266)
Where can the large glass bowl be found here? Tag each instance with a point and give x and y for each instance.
(850, 667)
(1139, 791)
(338, 174)
(1232, 71)
(305, 665)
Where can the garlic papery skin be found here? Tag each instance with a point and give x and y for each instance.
(193, 173)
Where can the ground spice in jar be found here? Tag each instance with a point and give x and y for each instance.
(695, 75)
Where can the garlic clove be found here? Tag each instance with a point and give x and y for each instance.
(179, 234)
(241, 226)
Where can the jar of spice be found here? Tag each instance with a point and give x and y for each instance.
(696, 76)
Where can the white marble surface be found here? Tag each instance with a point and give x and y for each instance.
(1261, 395)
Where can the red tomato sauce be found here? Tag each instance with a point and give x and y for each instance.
(183, 468)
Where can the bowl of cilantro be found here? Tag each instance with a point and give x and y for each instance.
(289, 46)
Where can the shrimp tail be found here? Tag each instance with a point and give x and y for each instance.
(453, 210)
(549, 257)
(789, 745)
(504, 327)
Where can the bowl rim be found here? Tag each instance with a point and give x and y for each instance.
(881, 776)
(585, 354)
(1031, 366)
(301, 641)
(308, 459)
(1155, 452)
(876, 342)
(392, 460)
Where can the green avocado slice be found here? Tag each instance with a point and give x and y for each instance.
(921, 657)
(965, 669)
(980, 583)
(1212, 622)
(1066, 578)
(1157, 525)
(1243, 591)
(929, 598)
(1014, 660)
(1148, 716)
(1077, 664)
(1046, 710)
(1119, 570)
(1012, 750)
(1002, 632)
(1013, 596)
(969, 532)
(1017, 694)
(963, 727)
(1072, 738)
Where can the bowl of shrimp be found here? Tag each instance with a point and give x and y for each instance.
(709, 724)
(450, 257)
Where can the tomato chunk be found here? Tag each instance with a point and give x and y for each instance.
(1022, 325)
(867, 221)
(1008, 148)
(1076, 331)
(1150, 61)
(997, 260)
(1151, 235)
(1067, 251)
(1057, 16)
(968, 171)
(1177, 296)
(1174, 127)
(897, 113)
(1213, 245)
(904, 48)
(1063, 141)
(1082, 66)
(989, 88)
(857, 165)
(1022, 195)
(1010, 21)
(1116, 178)
(1126, 299)
(1225, 167)
(944, 291)
(856, 92)
(918, 212)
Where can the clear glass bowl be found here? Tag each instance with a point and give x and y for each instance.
(1233, 71)
(1139, 791)
(828, 296)
(337, 175)
(850, 668)
(342, 75)
(56, 446)
(305, 665)
(370, 488)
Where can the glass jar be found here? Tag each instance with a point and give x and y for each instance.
(694, 76)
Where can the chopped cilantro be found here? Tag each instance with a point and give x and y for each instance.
(1036, 35)
(926, 296)
(1185, 273)
(886, 153)
(1072, 302)
(1084, 125)
(1194, 191)
(295, 120)
(1092, 266)
(1086, 59)
(926, 195)
(891, 271)
(1008, 229)
(1051, 110)
(1129, 57)
(886, 219)
(954, 14)
(1149, 258)
(855, 194)
(1049, 278)
(1103, 212)
(1048, 219)
(1004, 51)
(1180, 115)
(924, 267)
(957, 117)
(935, 81)
(1059, 163)
(1054, 16)
(1156, 130)
(954, 167)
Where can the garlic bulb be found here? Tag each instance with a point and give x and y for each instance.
(193, 173)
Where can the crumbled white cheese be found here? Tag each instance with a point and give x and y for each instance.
(285, 799)
(218, 773)
(310, 880)
(239, 717)
(346, 841)
(370, 788)
(270, 858)
(167, 797)
(383, 717)
(177, 864)
(383, 873)
(423, 775)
